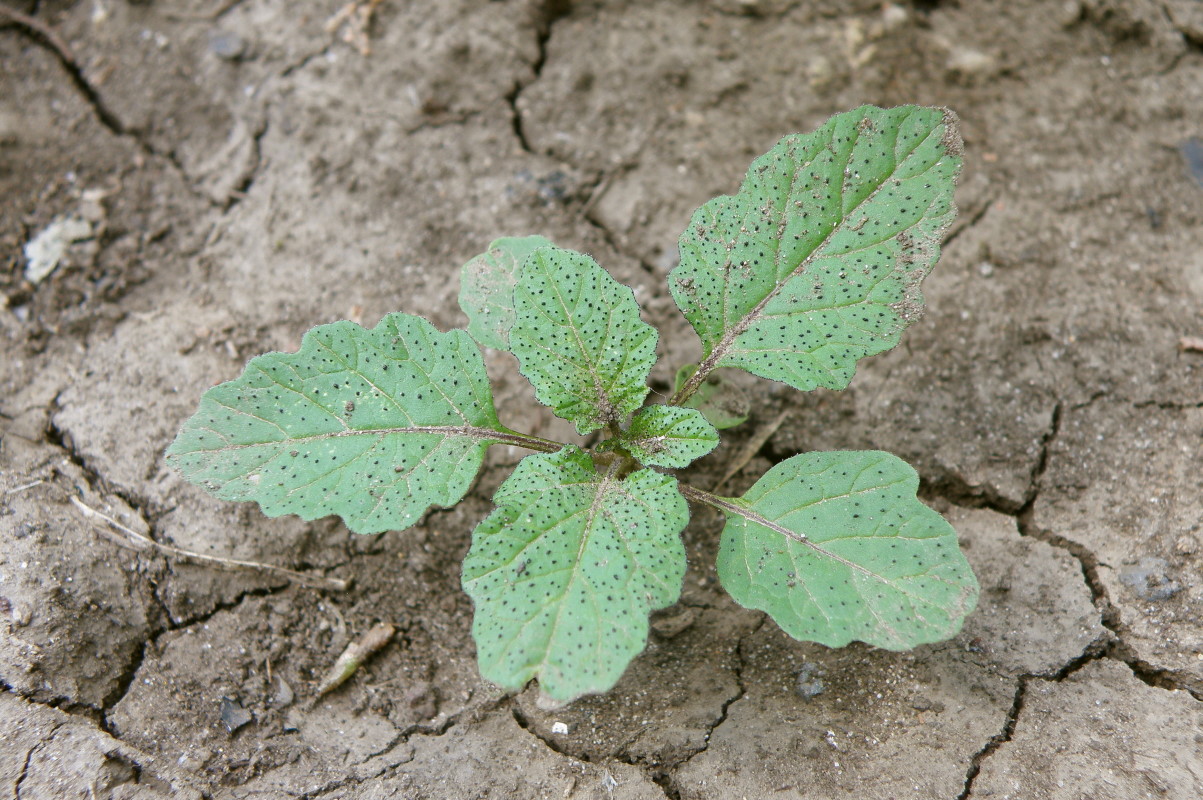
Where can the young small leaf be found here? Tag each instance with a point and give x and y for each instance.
(817, 261)
(722, 402)
(835, 547)
(669, 436)
(579, 339)
(565, 571)
(375, 426)
(487, 288)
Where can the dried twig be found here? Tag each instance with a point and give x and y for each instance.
(140, 541)
(356, 653)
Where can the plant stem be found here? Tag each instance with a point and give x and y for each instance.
(694, 382)
(528, 441)
(723, 504)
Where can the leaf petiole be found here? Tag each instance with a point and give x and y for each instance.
(696, 495)
(694, 382)
(530, 442)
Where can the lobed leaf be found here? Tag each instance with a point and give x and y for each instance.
(669, 436)
(487, 288)
(816, 262)
(375, 426)
(835, 547)
(566, 570)
(722, 403)
(579, 339)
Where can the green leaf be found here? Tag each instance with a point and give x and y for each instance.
(487, 288)
(817, 262)
(722, 402)
(835, 547)
(579, 339)
(375, 426)
(669, 436)
(566, 570)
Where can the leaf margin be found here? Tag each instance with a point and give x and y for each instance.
(739, 537)
(555, 681)
(681, 281)
(186, 454)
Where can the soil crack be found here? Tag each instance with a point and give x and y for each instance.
(1117, 648)
(1093, 652)
(547, 14)
(667, 777)
(527, 725)
(45, 36)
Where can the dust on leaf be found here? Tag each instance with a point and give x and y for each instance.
(579, 339)
(835, 547)
(375, 426)
(816, 262)
(565, 572)
(487, 288)
(669, 436)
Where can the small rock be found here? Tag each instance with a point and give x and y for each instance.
(233, 715)
(22, 614)
(1186, 545)
(195, 760)
(1192, 154)
(1150, 579)
(808, 685)
(969, 64)
(227, 46)
(44, 251)
(284, 695)
(559, 727)
(1070, 13)
(91, 205)
(893, 16)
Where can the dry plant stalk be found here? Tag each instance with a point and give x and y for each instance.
(353, 657)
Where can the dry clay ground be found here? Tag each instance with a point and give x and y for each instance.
(237, 174)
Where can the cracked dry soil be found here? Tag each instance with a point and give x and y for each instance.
(246, 174)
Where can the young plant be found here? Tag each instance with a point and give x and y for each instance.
(813, 265)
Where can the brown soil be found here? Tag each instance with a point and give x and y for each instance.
(246, 174)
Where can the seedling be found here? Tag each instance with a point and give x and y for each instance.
(813, 265)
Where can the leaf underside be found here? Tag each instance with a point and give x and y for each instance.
(487, 288)
(579, 339)
(835, 547)
(565, 571)
(669, 436)
(375, 426)
(817, 261)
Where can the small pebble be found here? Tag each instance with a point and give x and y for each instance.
(227, 46)
(284, 694)
(1192, 154)
(968, 63)
(233, 715)
(1150, 579)
(808, 685)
